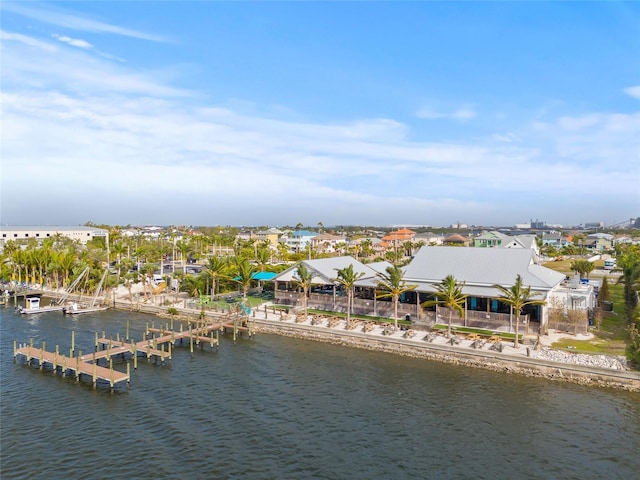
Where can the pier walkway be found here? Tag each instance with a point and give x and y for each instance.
(157, 343)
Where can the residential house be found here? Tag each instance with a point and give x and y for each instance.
(272, 236)
(554, 239)
(456, 240)
(328, 243)
(399, 239)
(490, 239)
(599, 242)
(299, 240)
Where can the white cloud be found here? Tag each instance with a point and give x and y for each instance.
(74, 42)
(56, 16)
(131, 147)
(463, 113)
(32, 42)
(579, 123)
(633, 91)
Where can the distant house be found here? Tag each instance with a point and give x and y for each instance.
(272, 235)
(328, 243)
(299, 240)
(428, 238)
(599, 242)
(490, 240)
(554, 239)
(397, 238)
(456, 240)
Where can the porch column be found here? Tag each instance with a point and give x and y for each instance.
(375, 303)
(465, 312)
(334, 298)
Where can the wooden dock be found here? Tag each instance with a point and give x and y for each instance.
(152, 346)
(73, 364)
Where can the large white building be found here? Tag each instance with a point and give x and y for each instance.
(81, 234)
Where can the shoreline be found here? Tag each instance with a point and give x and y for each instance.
(463, 356)
(510, 360)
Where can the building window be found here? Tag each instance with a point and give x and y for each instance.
(26, 234)
(4, 235)
(37, 234)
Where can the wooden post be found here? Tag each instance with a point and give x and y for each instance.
(42, 354)
(127, 334)
(111, 372)
(135, 356)
(73, 342)
(78, 367)
(15, 349)
(169, 351)
(96, 343)
(64, 365)
(55, 359)
(95, 370)
(190, 340)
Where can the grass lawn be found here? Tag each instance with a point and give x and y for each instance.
(612, 337)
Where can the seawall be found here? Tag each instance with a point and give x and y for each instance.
(625, 380)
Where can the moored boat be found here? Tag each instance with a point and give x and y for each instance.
(32, 305)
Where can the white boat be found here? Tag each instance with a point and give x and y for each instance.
(75, 309)
(32, 305)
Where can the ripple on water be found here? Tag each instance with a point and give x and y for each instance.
(275, 407)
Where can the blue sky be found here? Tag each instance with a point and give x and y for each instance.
(269, 113)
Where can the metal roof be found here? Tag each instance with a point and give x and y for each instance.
(480, 267)
(326, 270)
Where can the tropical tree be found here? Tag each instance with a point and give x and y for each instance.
(449, 294)
(629, 263)
(347, 277)
(303, 278)
(184, 249)
(263, 256)
(393, 286)
(517, 296)
(604, 294)
(214, 268)
(244, 276)
(145, 275)
(582, 267)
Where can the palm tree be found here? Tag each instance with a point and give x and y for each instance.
(582, 267)
(184, 249)
(518, 296)
(214, 268)
(449, 294)
(303, 279)
(348, 278)
(245, 275)
(393, 285)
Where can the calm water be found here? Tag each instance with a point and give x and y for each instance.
(277, 408)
